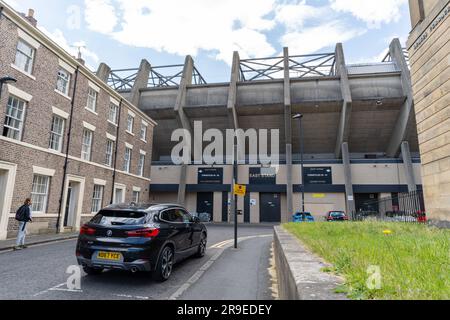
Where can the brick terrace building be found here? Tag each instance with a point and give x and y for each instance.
(59, 111)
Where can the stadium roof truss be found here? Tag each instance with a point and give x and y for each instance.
(159, 77)
(300, 66)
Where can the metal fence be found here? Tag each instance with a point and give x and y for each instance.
(404, 207)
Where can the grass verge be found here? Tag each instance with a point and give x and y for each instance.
(413, 260)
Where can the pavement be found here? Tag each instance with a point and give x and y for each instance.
(45, 271)
(34, 240)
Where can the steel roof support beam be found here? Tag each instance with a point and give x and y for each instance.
(140, 82)
(184, 121)
(346, 112)
(403, 121)
(288, 133)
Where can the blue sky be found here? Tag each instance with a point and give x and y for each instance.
(122, 32)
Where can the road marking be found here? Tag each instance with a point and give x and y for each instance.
(132, 297)
(52, 288)
(222, 246)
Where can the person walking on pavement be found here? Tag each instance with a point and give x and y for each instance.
(23, 215)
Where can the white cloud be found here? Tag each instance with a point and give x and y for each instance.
(60, 39)
(373, 12)
(101, 16)
(294, 15)
(312, 39)
(185, 27)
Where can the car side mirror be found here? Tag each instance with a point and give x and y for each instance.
(197, 220)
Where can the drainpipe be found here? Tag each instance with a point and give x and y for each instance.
(116, 151)
(66, 161)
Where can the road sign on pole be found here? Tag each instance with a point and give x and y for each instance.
(240, 190)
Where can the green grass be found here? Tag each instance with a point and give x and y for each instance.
(414, 260)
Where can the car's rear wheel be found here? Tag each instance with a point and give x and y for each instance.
(92, 271)
(202, 246)
(165, 265)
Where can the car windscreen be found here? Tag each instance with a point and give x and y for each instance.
(120, 217)
(337, 214)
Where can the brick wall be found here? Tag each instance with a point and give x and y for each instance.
(36, 133)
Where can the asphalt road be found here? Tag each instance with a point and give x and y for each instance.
(223, 274)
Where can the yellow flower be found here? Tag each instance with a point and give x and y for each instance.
(387, 232)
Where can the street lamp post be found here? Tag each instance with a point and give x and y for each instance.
(5, 80)
(300, 117)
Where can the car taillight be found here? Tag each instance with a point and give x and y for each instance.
(85, 230)
(143, 233)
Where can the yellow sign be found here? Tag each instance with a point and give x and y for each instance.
(240, 190)
(318, 195)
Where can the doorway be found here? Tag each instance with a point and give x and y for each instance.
(73, 204)
(7, 181)
(73, 193)
(270, 208)
(205, 203)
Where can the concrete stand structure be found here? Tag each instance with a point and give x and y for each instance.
(356, 118)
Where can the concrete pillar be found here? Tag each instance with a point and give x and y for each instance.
(350, 198)
(288, 133)
(232, 93)
(346, 112)
(141, 82)
(401, 128)
(182, 187)
(408, 167)
(103, 72)
(183, 120)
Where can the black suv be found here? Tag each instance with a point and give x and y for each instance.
(140, 237)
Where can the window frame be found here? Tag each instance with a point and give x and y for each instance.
(61, 134)
(141, 165)
(138, 193)
(127, 161)
(21, 120)
(107, 155)
(31, 59)
(144, 137)
(89, 100)
(97, 199)
(58, 78)
(44, 195)
(130, 123)
(116, 113)
(83, 144)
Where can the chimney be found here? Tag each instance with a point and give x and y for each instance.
(30, 17)
(80, 59)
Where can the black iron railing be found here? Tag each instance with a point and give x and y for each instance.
(404, 207)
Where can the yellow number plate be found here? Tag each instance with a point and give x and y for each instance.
(109, 256)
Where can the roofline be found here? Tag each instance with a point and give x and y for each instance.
(15, 17)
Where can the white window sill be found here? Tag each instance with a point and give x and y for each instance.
(91, 111)
(114, 124)
(59, 152)
(130, 133)
(23, 72)
(145, 141)
(63, 95)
